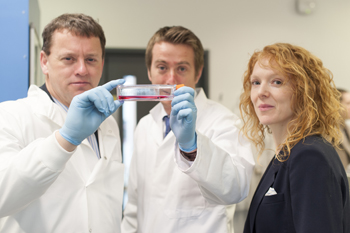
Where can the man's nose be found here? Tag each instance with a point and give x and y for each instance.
(81, 68)
(171, 77)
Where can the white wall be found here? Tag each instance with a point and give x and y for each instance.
(229, 29)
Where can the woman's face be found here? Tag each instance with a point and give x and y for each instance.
(271, 95)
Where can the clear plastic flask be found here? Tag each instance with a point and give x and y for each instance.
(146, 92)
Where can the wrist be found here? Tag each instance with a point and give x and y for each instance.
(189, 146)
(190, 156)
(65, 144)
(65, 132)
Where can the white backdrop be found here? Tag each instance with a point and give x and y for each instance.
(229, 29)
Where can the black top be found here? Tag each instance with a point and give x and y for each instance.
(312, 193)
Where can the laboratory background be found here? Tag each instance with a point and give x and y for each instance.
(230, 31)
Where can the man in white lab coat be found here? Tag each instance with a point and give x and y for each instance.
(60, 159)
(189, 179)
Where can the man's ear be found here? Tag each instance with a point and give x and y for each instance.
(44, 62)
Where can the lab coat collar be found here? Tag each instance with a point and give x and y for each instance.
(200, 101)
(46, 109)
(44, 88)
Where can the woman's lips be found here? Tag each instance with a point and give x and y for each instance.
(265, 107)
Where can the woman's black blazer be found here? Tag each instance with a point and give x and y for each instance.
(312, 193)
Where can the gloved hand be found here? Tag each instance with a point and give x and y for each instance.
(183, 118)
(88, 110)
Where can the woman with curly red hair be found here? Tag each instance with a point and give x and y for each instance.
(289, 93)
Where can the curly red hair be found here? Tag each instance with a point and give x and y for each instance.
(315, 99)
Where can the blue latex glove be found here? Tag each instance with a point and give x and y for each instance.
(183, 118)
(88, 110)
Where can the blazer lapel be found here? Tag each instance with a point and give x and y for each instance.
(266, 182)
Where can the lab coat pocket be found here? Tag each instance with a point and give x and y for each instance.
(184, 199)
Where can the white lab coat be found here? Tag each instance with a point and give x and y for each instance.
(44, 188)
(165, 197)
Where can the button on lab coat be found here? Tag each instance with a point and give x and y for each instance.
(166, 195)
(44, 188)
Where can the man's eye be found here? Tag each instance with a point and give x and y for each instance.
(69, 59)
(182, 69)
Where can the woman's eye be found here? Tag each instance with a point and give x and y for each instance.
(278, 82)
(255, 83)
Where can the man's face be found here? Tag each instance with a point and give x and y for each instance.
(173, 64)
(74, 65)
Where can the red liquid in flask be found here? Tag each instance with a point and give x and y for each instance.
(143, 97)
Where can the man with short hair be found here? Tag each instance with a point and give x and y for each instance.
(213, 163)
(60, 158)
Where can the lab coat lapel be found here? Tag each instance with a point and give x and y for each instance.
(156, 133)
(101, 165)
(200, 101)
(168, 142)
(109, 150)
(78, 164)
(109, 143)
(49, 110)
(266, 182)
